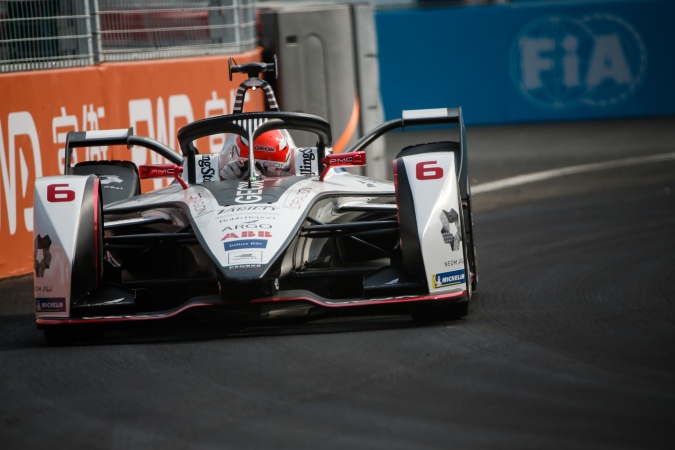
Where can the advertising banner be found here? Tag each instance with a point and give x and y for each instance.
(531, 61)
(39, 108)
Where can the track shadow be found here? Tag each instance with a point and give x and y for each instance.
(19, 331)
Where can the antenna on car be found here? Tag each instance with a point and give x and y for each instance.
(253, 69)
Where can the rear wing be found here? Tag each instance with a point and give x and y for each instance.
(123, 136)
(423, 117)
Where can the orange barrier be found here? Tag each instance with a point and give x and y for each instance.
(39, 108)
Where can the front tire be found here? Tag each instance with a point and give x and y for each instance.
(68, 334)
(430, 312)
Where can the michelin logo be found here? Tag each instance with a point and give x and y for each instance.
(446, 279)
(50, 304)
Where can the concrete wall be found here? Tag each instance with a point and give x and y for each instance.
(38, 109)
(328, 67)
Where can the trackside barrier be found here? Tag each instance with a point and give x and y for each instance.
(38, 109)
(328, 67)
(530, 61)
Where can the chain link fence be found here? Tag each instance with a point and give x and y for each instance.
(50, 34)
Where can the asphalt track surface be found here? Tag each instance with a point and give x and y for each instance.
(569, 342)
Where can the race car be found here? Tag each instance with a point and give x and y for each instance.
(316, 241)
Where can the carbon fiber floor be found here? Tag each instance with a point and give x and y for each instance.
(568, 343)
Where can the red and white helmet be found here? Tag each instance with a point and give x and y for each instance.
(270, 149)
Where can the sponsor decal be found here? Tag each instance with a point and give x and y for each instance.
(205, 168)
(249, 225)
(267, 165)
(306, 164)
(50, 304)
(243, 266)
(446, 279)
(198, 203)
(106, 180)
(245, 257)
(244, 214)
(247, 234)
(245, 243)
(296, 200)
(42, 245)
(244, 218)
(450, 229)
(454, 262)
(563, 61)
(263, 192)
(246, 194)
(257, 208)
(47, 288)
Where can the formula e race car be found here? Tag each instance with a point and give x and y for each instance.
(318, 240)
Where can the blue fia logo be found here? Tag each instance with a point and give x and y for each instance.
(559, 61)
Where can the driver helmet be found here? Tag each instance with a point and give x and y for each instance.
(271, 150)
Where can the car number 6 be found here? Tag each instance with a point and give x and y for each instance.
(57, 193)
(426, 171)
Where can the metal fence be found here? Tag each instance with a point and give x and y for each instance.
(48, 34)
(382, 5)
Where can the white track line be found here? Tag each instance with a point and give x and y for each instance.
(554, 173)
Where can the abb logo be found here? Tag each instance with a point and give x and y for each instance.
(248, 234)
(426, 170)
